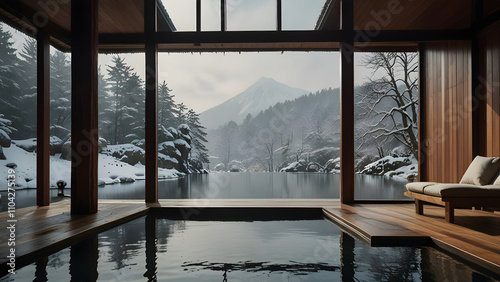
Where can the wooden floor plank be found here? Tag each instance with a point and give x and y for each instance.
(475, 235)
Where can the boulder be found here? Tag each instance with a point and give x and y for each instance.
(66, 150)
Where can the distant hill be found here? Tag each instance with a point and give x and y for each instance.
(264, 93)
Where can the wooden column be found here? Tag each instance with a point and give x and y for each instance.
(198, 15)
(347, 105)
(479, 140)
(279, 15)
(151, 102)
(422, 107)
(84, 130)
(43, 119)
(223, 15)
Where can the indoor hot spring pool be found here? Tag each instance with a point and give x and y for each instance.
(164, 247)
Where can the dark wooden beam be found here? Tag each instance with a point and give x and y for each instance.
(288, 36)
(198, 15)
(28, 21)
(223, 15)
(151, 102)
(84, 112)
(422, 122)
(347, 106)
(43, 119)
(279, 15)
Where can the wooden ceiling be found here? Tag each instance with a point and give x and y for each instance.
(125, 18)
(403, 14)
(115, 16)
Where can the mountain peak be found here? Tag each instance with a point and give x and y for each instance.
(262, 94)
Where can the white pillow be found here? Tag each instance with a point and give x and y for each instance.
(481, 171)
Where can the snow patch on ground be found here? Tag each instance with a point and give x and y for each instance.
(110, 169)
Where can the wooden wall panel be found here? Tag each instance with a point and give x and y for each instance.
(448, 129)
(491, 76)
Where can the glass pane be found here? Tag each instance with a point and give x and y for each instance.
(18, 119)
(251, 14)
(210, 15)
(301, 14)
(121, 123)
(266, 116)
(182, 13)
(386, 108)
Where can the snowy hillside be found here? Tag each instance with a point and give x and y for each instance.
(259, 96)
(110, 170)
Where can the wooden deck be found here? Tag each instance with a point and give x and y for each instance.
(475, 235)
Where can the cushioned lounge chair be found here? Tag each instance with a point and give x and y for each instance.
(479, 187)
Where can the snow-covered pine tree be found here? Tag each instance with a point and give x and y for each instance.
(126, 111)
(27, 65)
(166, 106)
(11, 80)
(104, 103)
(181, 113)
(199, 152)
(60, 95)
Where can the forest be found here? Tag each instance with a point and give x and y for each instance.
(121, 110)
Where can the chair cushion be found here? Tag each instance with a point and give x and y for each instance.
(463, 191)
(481, 171)
(418, 187)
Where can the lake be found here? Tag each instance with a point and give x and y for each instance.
(242, 185)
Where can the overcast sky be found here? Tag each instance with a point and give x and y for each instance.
(202, 81)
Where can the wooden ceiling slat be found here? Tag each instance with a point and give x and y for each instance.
(414, 15)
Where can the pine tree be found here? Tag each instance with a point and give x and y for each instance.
(166, 106)
(198, 137)
(60, 94)
(28, 67)
(11, 80)
(181, 113)
(126, 111)
(104, 103)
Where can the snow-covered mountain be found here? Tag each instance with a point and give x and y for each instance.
(264, 93)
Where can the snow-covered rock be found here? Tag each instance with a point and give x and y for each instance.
(29, 145)
(127, 153)
(295, 166)
(333, 165)
(219, 167)
(66, 150)
(393, 166)
(5, 140)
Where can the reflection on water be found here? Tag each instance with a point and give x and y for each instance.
(160, 249)
(258, 185)
(254, 185)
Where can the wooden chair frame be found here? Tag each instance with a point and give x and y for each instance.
(450, 203)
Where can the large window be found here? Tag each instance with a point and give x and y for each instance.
(386, 129)
(263, 125)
